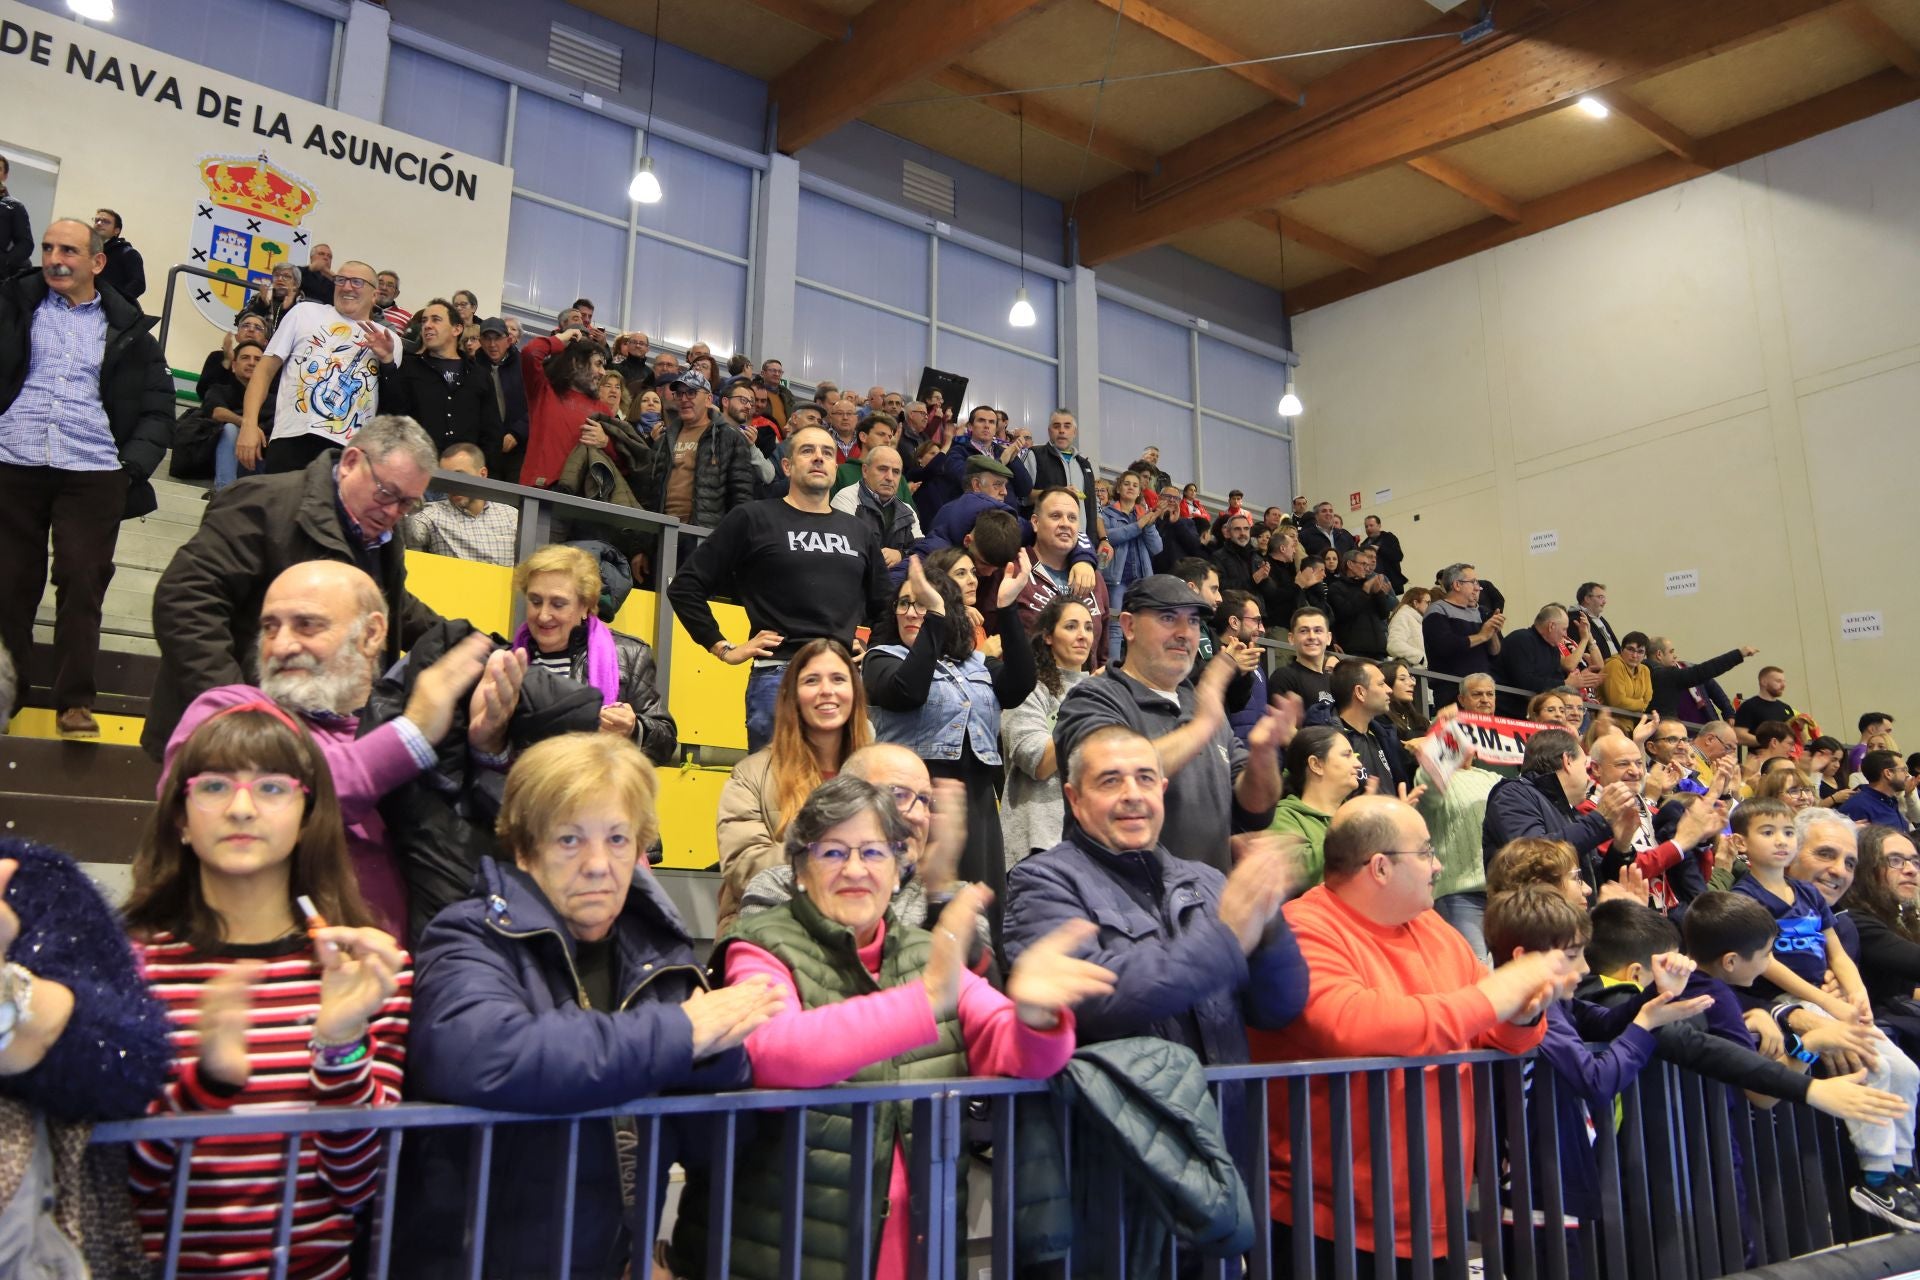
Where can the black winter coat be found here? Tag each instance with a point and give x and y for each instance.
(441, 824)
(1670, 682)
(657, 734)
(126, 271)
(135, 385)
(206, 609)
(16, 236)
(1359, 617)
(723, 476)
(457, 412)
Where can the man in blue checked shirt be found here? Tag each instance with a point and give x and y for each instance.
(86, 414)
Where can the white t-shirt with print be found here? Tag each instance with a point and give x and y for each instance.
(329, 379)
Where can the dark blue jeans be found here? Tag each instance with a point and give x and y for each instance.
(763, 686)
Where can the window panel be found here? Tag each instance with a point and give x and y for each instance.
(1240, 384)
(572, 155)
(554, 257)
(1026, 388)
(278, 45)
(870, 256)
(853, 345)
(1145, 350)
(451, 105)
(976, 292)
(1129, 422)
(1233, 457)
(681, 297)
(706, 199)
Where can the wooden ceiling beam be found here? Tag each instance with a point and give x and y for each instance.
(1881, 91)
(1314, 238)
(1056, 124)
(889, 45)
(1890, 44)
(1372, 76)
(1262, 75)
(1453, 177)
(1598, 46)
(1663, 130)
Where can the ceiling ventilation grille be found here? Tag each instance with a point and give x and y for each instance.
(579, 56)
(928, 188)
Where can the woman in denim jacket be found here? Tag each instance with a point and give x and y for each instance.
(1135, 542)
(931, 690)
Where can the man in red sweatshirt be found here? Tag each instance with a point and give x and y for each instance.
(1387, 977)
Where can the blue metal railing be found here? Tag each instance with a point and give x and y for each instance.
(1669, 1204)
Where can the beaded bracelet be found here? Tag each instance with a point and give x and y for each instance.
(338, 1057)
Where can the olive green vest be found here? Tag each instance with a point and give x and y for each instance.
(826, 968)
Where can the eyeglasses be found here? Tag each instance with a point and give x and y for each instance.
(1672, 739)
(905, 798)
(353, 284)
(385, 495)
(1799, 791)
(871, 855)
(270, 792)
(1424, 852)
(907, 604)
(1900, 862)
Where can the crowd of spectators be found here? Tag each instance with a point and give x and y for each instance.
(1021, 784)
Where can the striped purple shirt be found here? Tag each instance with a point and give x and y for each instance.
(58, 419)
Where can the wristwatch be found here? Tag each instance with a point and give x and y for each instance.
(16, 1001)
(723, 648)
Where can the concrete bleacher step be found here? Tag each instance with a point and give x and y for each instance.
(92, 799)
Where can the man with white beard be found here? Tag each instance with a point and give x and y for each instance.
(323, 626)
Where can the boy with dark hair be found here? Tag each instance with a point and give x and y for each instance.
(1541, 917)
(1733, 937)
(1628, 939)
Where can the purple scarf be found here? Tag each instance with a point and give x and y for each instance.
(603, 665)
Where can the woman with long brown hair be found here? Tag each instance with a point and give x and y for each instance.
(819, 719)
(1033, 812)
(281, 992)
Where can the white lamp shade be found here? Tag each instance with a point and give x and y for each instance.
(1290, 406)
(1021, 316)
(645, 188)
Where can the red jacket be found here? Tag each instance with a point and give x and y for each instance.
(1379, 992)
(554, 416)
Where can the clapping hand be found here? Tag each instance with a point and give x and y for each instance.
(359, 972)
(1630, 884)
(1259, 885)
(722, 1019)
(1048, 977)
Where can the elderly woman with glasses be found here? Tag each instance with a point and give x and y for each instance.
(871, 1000)
(566, 983)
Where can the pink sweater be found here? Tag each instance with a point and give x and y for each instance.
(813, 1048)
(364, 771)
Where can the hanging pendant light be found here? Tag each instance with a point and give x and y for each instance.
(1021, 315)
(92, 10)
(1290, 406)
(645, 187)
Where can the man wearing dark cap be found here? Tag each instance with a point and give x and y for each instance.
(989, 482)
(704, 467)
(1218, 785)
(499, 367)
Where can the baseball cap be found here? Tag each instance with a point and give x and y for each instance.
(494, 325)
(993, 466)
(692, 379)
(1163, 591)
